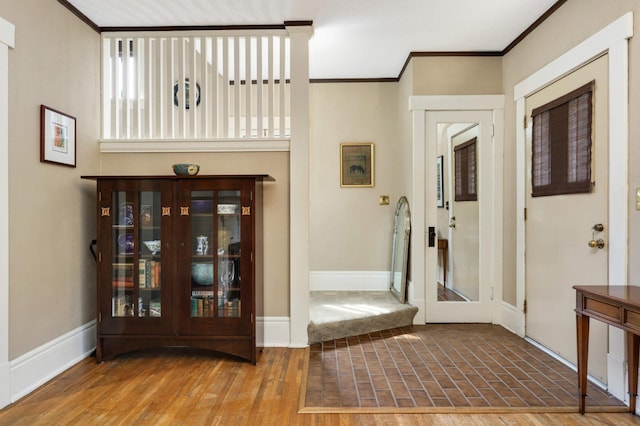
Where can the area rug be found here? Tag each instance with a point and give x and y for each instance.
(442, 368)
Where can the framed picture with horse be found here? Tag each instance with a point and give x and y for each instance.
(357, 164)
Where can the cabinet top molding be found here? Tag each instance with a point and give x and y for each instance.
(266, 178)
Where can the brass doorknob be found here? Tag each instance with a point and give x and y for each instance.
(598, 227)
(452, 222)
(597, 243)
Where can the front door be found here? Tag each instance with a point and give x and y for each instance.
(558, 229)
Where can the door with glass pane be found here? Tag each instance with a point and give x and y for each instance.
(215, 244)
(136, 215)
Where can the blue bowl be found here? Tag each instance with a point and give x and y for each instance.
(186, 169)
(202, 273)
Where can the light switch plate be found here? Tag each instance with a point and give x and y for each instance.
(384, 200)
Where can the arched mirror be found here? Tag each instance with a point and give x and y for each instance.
(400, 249)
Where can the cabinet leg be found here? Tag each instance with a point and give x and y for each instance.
(582, 332)
(99, 351)
(632, 358)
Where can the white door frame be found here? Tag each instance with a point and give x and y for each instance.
(613, 40)
(422, 218)
(7, 40)
(481, 309)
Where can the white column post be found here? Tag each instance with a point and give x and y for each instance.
(7, 40)
(299, 185)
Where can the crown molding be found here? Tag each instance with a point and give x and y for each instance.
(410, 56)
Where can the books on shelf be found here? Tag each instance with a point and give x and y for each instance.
(202, 293)
(149, 273)
(202, 306)
(121, 306)
(122, 282)
(155, 309)
(142, 273)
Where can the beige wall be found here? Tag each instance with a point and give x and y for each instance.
(273, 297)
(51, 272)
(572, 23)
(350, 231)
(457, 75)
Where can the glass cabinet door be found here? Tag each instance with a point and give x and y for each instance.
(134, 262)
(136, 247)
(215, 219)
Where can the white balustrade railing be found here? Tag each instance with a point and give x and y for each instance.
(196, 86)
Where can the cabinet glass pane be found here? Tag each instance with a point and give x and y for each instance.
(202, 254)
(228, 211)
(136, 278)
(150, 248)
(122, 258)
(215, 254)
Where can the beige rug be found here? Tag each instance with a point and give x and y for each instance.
(338, 314)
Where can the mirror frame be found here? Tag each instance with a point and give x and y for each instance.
(400, 248)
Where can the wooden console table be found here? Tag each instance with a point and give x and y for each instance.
(618, 306)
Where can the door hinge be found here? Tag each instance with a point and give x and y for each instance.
(99, 316)
(524, 307)
(493, 130)
(525, 213)
(524, 122)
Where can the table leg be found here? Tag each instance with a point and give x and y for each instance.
(632, 358)
(444, 267)
(582, 331)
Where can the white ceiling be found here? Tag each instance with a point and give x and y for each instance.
(352, 38)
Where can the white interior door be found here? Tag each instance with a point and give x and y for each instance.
(558, 229)
(470, 243)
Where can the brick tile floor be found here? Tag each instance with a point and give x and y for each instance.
(441, 365)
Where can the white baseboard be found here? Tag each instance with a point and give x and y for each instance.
(617, 377)
(35, 368)
(273, 332)
(5, 385)
(512, 319)
(349, 280)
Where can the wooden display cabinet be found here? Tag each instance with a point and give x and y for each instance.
(179, 258)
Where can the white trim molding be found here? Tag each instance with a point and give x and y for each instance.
(40, 365)
(273, 332)
(7, 41)
(349, 280)
(194, 145)
(611, 40)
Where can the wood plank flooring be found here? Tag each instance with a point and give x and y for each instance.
(179, 386)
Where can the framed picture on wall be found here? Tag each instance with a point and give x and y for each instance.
(356, 165)
(440, 183)
(57, 137)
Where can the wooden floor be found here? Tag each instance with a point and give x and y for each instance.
(189, 387)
